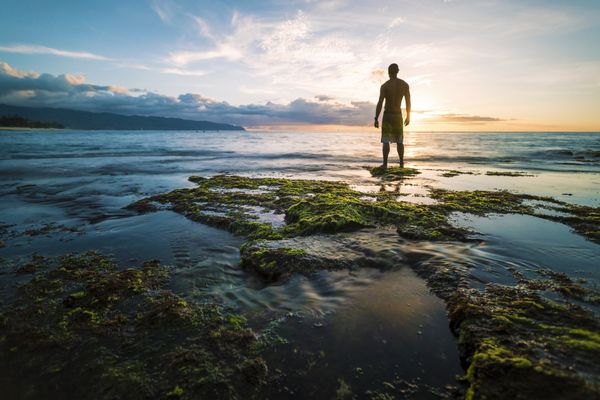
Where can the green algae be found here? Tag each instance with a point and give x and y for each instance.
(517, 344)
(584, 220)
(507, 173)
(311, 207)
(453, 172)
(481, 202)
(122, 332)
(514, 343)
(308, 207)
(561, 283)
(392, 173)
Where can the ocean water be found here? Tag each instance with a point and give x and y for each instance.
(377, 324)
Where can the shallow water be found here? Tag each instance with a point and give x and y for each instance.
(381, 320)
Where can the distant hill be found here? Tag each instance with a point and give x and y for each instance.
(19, 122)
(74, 119)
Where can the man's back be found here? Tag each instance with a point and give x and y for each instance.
(393, 91)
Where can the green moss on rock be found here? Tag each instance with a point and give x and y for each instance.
(123, 333)
(584, 220)
(519, 345)
(507, 173)
(308, 207)
(393, 173)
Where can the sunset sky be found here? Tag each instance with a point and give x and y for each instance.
(471, 65)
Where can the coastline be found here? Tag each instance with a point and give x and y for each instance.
(16, 128)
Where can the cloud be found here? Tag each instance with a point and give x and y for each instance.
(462, 118)
(183, 72)
(35, 49)
(301, 46)
(324, 97)
(221, 51)
(396, 21)
(202, 26)
(12, 80)
(72, 91)
(163, 9)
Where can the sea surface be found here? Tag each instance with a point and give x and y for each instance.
(362, 327)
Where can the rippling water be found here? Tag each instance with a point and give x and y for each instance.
(382, 317)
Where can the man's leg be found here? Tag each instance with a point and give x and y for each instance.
(401, 154)
(386, 152)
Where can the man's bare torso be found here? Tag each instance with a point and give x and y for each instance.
(393, 91)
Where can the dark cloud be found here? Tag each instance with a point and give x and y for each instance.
(324, 97)
(71, 91)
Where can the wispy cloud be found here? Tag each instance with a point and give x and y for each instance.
(462, 118)
(36, 49)
(222, 51)
(274, 50)
(183, 72)
(396, 21)
(202, 26)
(164, 10)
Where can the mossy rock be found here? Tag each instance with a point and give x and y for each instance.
(392, 173)
(274, 263)
(585, 220)
(517, 344)
(82, 322)
(307, 206)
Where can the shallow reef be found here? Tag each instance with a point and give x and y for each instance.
(515, 341)
(306, 207)
(249, 206)
(81, 322)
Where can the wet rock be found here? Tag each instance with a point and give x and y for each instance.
(517, 344)
(309, 207)
(392, 173)
(278, 259)
(81, 322)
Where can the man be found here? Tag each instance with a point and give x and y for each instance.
(391, 124)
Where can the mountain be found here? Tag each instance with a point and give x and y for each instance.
(74, 119)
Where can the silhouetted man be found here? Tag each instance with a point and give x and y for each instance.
(392, 129)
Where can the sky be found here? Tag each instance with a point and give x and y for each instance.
(496, 65)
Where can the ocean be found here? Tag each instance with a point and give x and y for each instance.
(381, 320)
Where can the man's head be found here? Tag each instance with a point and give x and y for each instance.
(393, 70)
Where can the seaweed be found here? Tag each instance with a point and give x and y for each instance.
(507, 173)
(308, 206)
(453, 172)
(83, 322)
(584, 220)
(516, 344)
(392, 173)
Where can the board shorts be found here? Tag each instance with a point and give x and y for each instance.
(392, 128)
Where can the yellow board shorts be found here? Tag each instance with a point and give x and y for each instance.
(392, 128)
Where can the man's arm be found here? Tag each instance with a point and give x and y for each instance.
(407, 100)
(378, 109)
